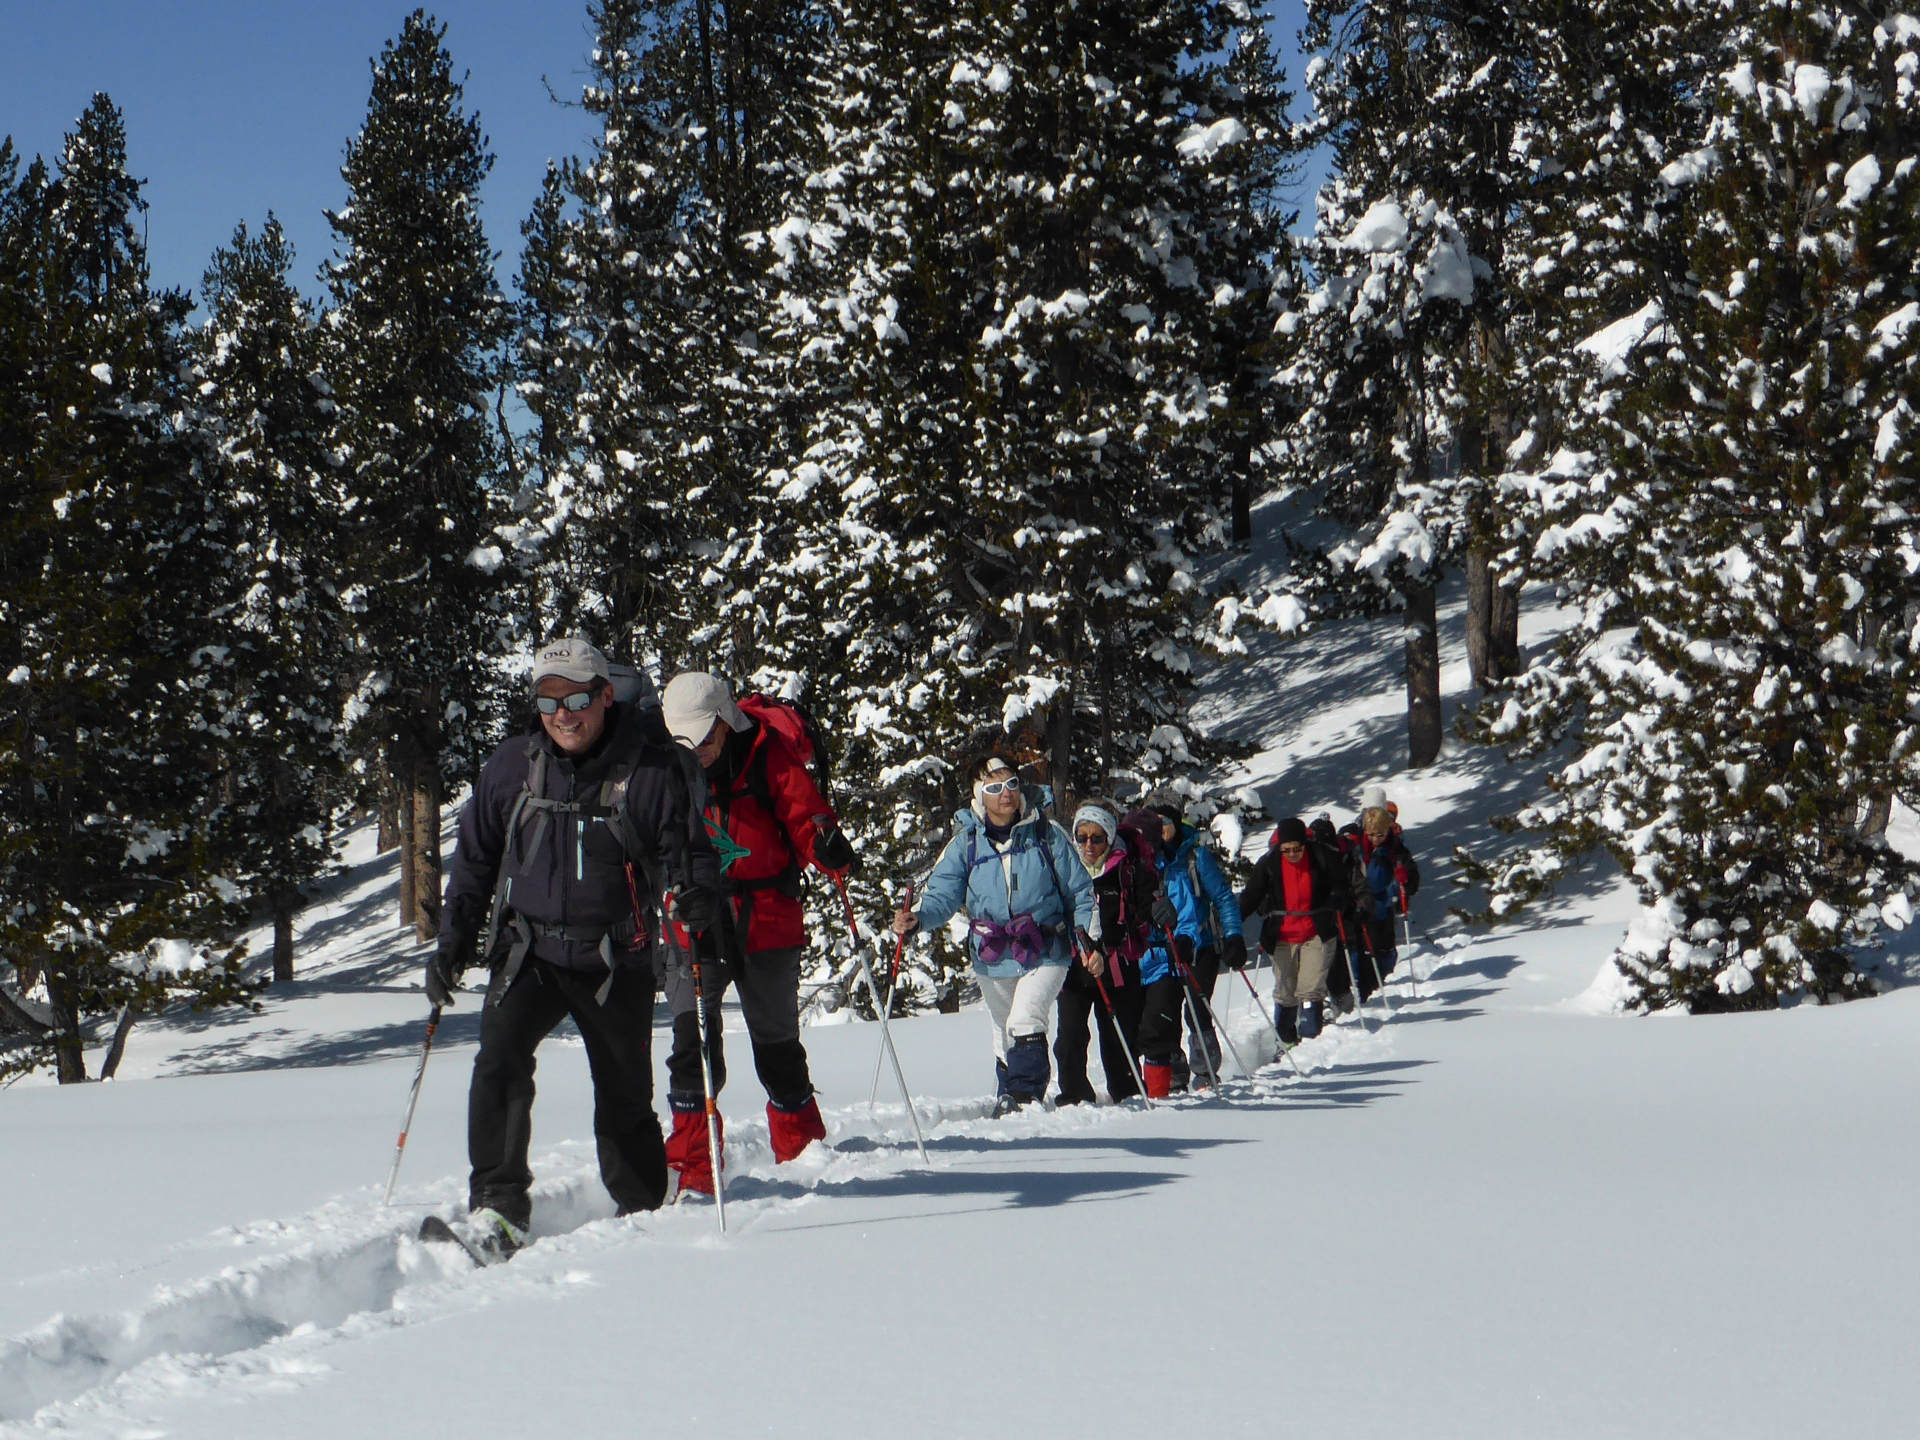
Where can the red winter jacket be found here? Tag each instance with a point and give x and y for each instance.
(772, 810)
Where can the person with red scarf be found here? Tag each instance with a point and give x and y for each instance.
(1300, 892)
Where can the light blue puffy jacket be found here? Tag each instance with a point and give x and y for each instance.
(1037, 875)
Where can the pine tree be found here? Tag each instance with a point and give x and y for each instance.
(106, 854)
(270, 687)
(414, 336)
(1011, 303)
(1400, 347)
(1735, 525)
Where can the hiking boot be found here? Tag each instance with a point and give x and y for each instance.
(494, 1235)
(1309, 1019)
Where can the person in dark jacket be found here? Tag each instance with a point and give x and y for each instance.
(572, 834)
(1300, 892)
(769, 820)
(1123, 891)
(1384, 878)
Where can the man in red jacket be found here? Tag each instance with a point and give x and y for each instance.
(768, 820)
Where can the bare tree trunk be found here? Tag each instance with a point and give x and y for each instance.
(1873, 825)
(286, 901)
(1479, 616)
(1503, 660)
(1423, 674)
(408, 855)
(69, 1054)
(426, 849)
(117, 1048)
(1242, 497)
(1060, 748)
(387, 811)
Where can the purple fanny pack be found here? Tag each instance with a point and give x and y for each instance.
(1020, 939)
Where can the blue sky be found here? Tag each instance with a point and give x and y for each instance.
(237, 107)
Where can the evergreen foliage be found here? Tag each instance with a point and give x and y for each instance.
(1399, 349)
(414, 350)
(108, 862)
(270, 687)
(1731, 509)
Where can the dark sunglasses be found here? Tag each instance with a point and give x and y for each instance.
(576, 702)
(1088, 838)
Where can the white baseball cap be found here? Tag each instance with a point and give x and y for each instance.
(691, 703)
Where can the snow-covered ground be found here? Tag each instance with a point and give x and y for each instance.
(1497, 1210)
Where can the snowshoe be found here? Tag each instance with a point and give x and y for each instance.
(486, 1236)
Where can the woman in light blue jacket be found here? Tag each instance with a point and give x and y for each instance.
(1012, 872)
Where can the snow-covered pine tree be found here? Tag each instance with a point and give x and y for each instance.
(1736, 526)
(108, 540)
(691, 95)
(271, 685)
(414, 340)
(1011, 299)
(1400, 347)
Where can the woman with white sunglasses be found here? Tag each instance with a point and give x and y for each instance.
(1012, 873)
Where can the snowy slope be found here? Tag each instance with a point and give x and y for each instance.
(1498, 1210)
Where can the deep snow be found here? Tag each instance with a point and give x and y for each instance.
(1504, 1211)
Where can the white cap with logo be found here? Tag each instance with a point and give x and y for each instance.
(569, 659)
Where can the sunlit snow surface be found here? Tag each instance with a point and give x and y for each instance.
(1496, 1208)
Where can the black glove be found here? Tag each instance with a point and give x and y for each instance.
(1233, 954)
(1164, 915)
(834, 851)
(696, 908)
(443, 974)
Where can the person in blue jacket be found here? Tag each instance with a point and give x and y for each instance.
(1208, 932)
(1011, 871)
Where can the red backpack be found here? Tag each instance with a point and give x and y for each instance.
(790, 721)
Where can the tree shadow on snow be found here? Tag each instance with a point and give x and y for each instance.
(241, 1051)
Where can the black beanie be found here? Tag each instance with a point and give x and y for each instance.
(1291, 831)
(1170, 812)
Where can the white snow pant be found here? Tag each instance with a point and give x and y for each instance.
(1019, 1004)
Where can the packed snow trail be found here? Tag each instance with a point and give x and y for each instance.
(365, 1267)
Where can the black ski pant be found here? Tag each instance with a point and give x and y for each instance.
(1080, 1001)
(1367, 966)
(619, 1039)
(769, 986)
(1202, 1043)
(1160, 1021)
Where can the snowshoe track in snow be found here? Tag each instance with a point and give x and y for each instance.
(270, 1322)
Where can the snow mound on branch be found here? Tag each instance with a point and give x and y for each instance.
(1382, 230)
(1860, 179)
(1448, 272)
(1203, 142)
(1037, 694)
(1613, 345)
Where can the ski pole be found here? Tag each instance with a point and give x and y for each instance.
(893, 980)
(1121, 1034)
(886, 1034)
(1082, 942)
(1413, 964)
(715, 1154)
(413, 1099)
(1353, 975)
(1279, 1044)
(1199, 1036)
(1181, 963)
